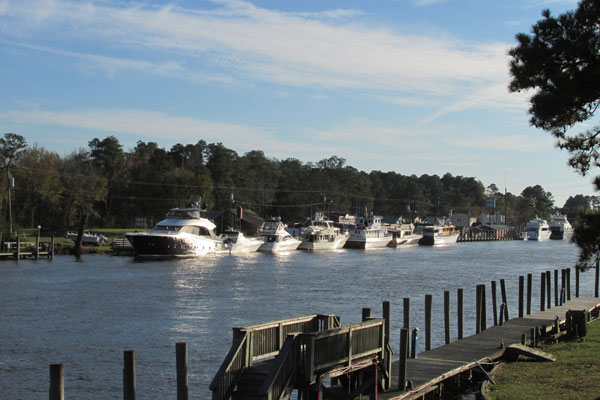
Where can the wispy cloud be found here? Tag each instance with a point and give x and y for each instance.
(330, 50)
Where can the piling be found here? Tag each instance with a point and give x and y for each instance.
(568, 284)
(576, 281)
(447, 315)
(129, 375)
(403, 357)
(57, 382)
(406, 313)
(597, 278)
(18, 248)
(504, 300)
(478, 309)
(556, 303)
(494, 303)
(366, 314)
(37, 245)
(548, 290)
(543, 292)
(521, 289)
(428, 305)
(529, 290)
(459, 308)
(181, 353)
(483, 309)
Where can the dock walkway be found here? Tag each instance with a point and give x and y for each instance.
(431, 368)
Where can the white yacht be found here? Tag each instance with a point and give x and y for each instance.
(368, 233)
(405, 235)
(237, 243)
(443, 233)
(184, 233)
(537, 229)
(560, 227)
(276, 237)
(322, 235)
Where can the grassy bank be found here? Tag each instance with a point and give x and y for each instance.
(575, 375)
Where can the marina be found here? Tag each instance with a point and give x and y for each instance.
(199, 300)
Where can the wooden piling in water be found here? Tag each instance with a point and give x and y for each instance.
(504, 299)
(568, 284)
(563, 276)
(543, 291)
(521, 289)
(478, 309)
(406, 312)
(459, 310)
(494, 303)
(597, 278)
(576, 281)
(403, 358)
(529, 290)
(129, 385)
(366, 314)
(18, 248)
(181, 354)
(428, 306)
(483, 309)
(37, 245)
(556, 302)
(57, 382)
(447, 316)
(548, 290)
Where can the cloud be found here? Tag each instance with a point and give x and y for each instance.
(237, 41)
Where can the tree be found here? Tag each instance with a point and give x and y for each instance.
(544, 202)
(10, 145)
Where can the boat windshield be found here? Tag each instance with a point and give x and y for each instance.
(183, 214)
(172, 228)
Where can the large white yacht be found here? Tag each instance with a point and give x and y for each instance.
(184, 233)
(560, 228)
(322, 235)
(276, 237)
(368, 233)
(537, 229)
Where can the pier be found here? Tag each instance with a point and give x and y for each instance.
(19, 249)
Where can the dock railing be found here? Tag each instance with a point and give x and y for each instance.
(262, 341)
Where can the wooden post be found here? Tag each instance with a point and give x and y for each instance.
(447, 315)
(129, 375)
(529, 290)
(548, 290)
(459, 307)
(597, 278)
(366, 314)
(576, 281)
(543, 291)
(181, 354)
(386, 316)
(37, 245)
(504, 300)
(568, 283)
(478, 309)
(532, 332)
(406, 315)
(428, 305)
(402, 361)
(483, 309)
(494, 303)
(556, 302)
(521, 290)
(386, 383)
(51, 254)
(18, 247)
(57, 382)
(563, 276)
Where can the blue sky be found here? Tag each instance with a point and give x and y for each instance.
(411, 86)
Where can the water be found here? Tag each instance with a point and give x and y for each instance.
(85, 314)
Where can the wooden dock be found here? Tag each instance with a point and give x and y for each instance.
(23, 249)
(433, 369)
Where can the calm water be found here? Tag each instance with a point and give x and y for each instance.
(85, 314)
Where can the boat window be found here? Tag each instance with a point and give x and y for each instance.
(167, 228)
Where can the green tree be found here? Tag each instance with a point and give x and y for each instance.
(10, 146)
(544, 202)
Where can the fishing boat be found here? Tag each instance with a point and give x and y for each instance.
(276, 238)
(237, 243)
(320, 234)
(443, 233)
(560, 227)
(368, 233)
(537, 229)
(184, 233)
(405, 235)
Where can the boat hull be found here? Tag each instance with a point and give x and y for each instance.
(409, 240)
(337, 243)
(148, 244)
(428, 240)
(246, 247)
(279, 247)
(367, 243)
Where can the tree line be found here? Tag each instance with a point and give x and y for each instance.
(106, 186)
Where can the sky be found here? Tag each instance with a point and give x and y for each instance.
(410, 86)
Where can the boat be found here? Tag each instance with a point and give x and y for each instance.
(560, 227)
(184, 233)
(276, 238)
(405, 235)
(368, 233)
(88, 238)
(537, 229)
(439, 234)
(320, 234)
(237, 243)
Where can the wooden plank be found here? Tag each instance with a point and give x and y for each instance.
(520, 350)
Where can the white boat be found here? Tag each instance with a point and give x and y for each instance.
(537, 229)
(322, 235)
(438, 235)
(368, 233)
(405, 235)
(89, 238)
(237, 243)
(184, 233)
(560, 227)
(276, 238)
